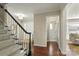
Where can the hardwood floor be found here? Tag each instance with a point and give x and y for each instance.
(51, 50)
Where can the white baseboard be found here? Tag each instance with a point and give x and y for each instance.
(40, 45)
(51, 40)
(63, 52)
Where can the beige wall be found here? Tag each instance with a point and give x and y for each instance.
(63, 29)
(40, 28)
(63, 32)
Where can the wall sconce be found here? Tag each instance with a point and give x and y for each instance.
(51, 26)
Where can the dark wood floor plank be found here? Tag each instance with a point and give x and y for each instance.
(51, 50)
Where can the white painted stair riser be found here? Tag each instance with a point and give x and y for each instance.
(9, 50)
(19, 53)
(4, 38)
(6, 43)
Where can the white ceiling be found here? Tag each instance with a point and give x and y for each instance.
(30, 8)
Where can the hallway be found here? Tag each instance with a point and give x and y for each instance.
(45, 24)
(20, 28)
(51, 50)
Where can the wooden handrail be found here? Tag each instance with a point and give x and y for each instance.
(14, 20)
(20, 27)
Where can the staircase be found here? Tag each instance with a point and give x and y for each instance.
(10, 45)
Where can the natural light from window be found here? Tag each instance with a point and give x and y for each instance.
(51, 26)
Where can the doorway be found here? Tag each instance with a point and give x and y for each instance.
(52, 28)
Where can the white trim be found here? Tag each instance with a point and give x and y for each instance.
(51, 40)
(40, 45)
(63, 52)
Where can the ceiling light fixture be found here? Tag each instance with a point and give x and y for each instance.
(20, 15)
